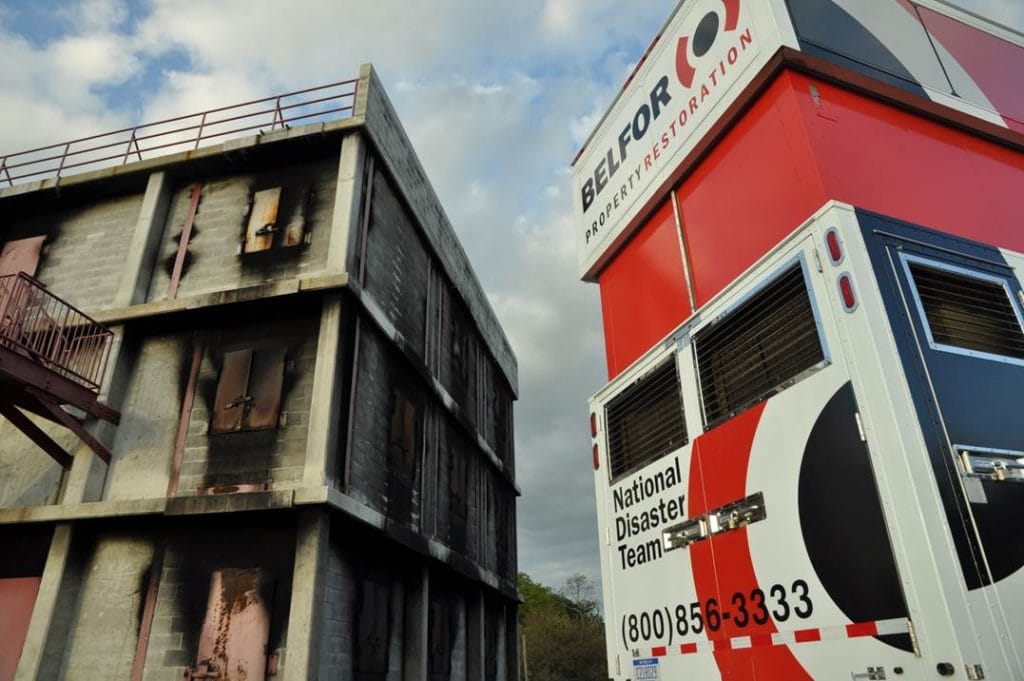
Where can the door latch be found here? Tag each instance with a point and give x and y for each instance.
(999, 465)
(872, 674)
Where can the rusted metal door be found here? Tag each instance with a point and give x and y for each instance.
(233, 641)
(259, 234)
(249, 391)
(21, 255)
(17, 599)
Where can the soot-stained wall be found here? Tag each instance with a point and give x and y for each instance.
(213, 262)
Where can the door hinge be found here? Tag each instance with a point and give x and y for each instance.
(975, 672)
(817, 260)
(860, 426)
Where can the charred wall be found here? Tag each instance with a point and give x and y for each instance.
(214, 260)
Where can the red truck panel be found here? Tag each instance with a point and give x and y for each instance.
(802, 143)
(887, 160)
(643, 291)
(756, 186)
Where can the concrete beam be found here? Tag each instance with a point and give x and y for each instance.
(308, 582)
(206, 301)
(31, 662)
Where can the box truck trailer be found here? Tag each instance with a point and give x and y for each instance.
(821, 474)
(809, 458)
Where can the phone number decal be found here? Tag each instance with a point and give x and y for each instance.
(743, 609)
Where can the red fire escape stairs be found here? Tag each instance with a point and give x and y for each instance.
(52, 357)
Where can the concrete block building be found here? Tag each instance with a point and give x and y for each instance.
(257, 410)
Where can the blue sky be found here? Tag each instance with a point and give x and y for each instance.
(497, 98)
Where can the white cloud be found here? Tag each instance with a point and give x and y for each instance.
(89, 16)
(86, 61)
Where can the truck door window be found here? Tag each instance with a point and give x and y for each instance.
(966, 311)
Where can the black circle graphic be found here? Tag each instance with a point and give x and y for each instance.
(706, 33)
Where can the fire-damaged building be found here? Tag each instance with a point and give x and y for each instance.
(256, 408)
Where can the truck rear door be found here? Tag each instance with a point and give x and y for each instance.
(956, 311)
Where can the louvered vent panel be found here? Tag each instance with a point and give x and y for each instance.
(968, 313)
(757, 348)
(645, 421)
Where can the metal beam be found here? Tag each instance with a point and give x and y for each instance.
(71, 423)
(59, 389)
(36, 434)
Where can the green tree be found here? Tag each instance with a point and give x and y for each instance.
(563, 634)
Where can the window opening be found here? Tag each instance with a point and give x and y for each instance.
(646, 420)
(758, 348)
(967, 311)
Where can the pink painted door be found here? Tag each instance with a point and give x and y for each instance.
(17, 598)
(233, 642)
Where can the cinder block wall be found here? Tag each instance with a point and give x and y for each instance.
(83, 259)
(213, 262)
(191, 555)
(144, 442)
(253, 457)
(103, 628)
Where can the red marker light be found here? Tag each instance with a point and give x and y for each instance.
(593, 425)
(597, 459)
(846, 292)
(835, 249)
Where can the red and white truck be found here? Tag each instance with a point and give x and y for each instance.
(807, 223)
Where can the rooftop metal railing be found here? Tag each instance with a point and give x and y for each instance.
(316, 104)
(56, 335)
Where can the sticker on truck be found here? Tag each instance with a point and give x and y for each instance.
(646, 669)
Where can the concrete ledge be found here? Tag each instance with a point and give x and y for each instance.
(229, 503)
(87, 511)
(265, 501)
(419, 543)
(219, 298)
(237, 145)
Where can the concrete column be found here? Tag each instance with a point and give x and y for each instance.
(86, 480)
(475, 639)
(302, 658)
(512, 640)
(346, 219)
(417, 620)
(87, 477)
(145, 244)
(46, 604)
(325, 411)
(501, 645)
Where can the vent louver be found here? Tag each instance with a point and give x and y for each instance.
(756, 349)
(646, 420)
